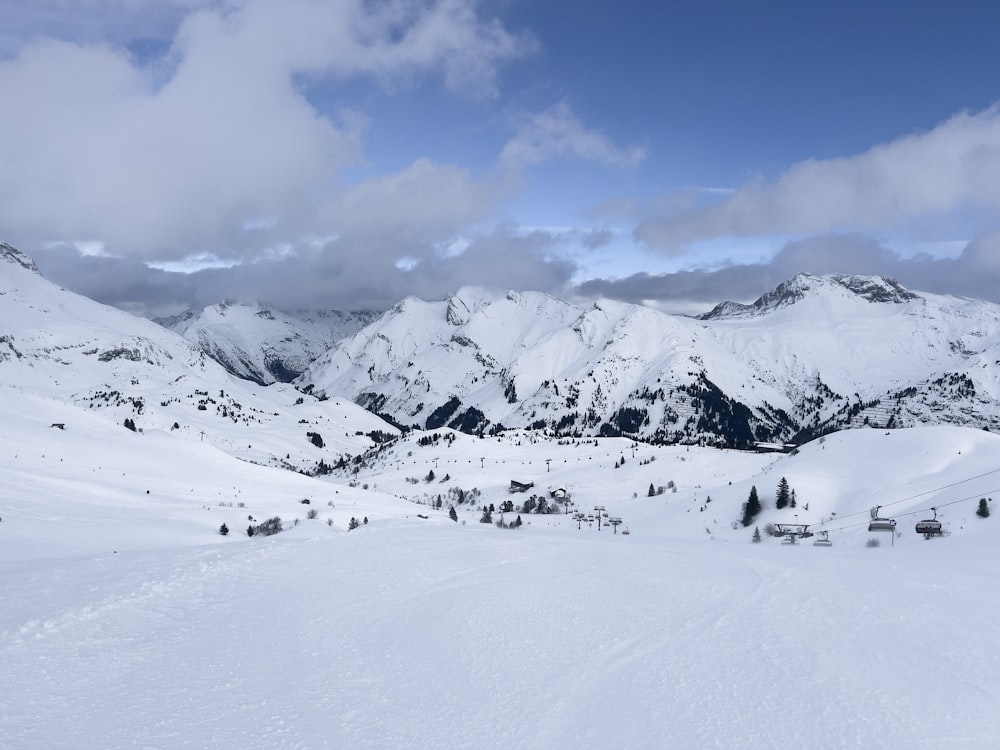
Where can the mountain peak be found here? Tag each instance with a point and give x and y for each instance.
(13, 255)
(874, 289)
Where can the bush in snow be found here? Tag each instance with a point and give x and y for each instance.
(312, 513)
(269, 527)
(353, 524)
(873, 543)
(983, 511)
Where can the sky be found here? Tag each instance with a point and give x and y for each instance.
(158, 155)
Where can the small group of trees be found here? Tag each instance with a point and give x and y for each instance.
(784, 497)
(268, 528)
(515, 524)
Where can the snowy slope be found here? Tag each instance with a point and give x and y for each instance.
(129, 622)
(814, 355)
(262, 344)
(75, 351)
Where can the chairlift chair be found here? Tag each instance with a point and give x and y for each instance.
(822, 539)
(881, 524)
(929, 526)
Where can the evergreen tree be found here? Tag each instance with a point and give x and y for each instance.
(652, 490)
(792, 502)
(353, 524)
(756, 534)
(783, 494)
(517, 521)
(129, 424)
(751, 508)
(452, 514)
(223, 529)
(984, 509)
(430, 476)
(487, 516)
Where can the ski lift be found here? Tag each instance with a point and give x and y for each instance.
(625, 532)
(822, 539)
(792, 532)
(881, 524)
(929, 526)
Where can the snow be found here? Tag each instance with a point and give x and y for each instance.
(128, 621)
(458, 636)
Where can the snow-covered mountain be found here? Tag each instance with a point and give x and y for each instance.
(814, 355)
(260, 343)
(83, 355)
(130, 618)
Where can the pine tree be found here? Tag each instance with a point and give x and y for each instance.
(984, 509)
(756, 534)
(652, 490)
(751, 508)
(792, 502)
(223, 529)
(452, 514)
(487, 516)
(783, 494)
(353, 524)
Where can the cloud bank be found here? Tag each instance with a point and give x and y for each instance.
(928, 175)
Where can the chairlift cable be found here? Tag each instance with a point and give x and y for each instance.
(921, 494)
(917, 510)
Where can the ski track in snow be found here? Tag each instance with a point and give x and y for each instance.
(548, 638)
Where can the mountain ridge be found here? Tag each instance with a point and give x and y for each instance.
(815, 354)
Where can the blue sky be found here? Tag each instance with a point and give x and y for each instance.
(342, 153)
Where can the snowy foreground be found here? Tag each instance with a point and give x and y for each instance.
(127, 621)
(459, 637)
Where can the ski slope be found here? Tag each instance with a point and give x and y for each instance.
(452, 636)
(129, 622)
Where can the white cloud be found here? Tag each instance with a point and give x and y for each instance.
(557, 133)
(952, 167)
(162, 159)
